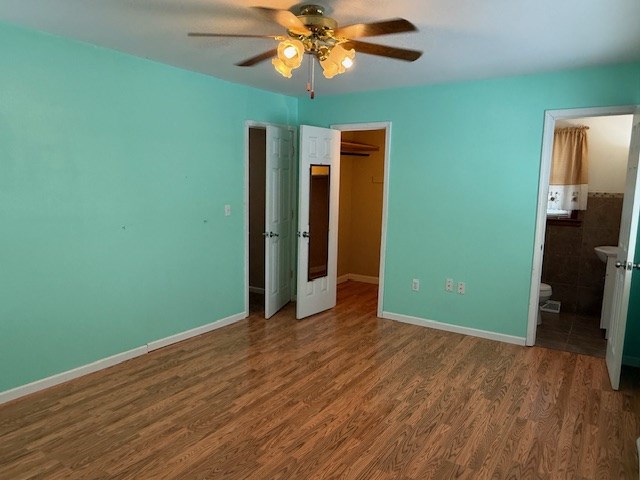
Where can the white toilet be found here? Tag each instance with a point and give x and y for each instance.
(545, 295)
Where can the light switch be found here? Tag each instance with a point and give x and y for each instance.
(227, 210)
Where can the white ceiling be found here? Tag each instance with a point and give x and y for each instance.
(462, 39)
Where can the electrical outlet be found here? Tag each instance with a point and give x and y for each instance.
(227, 210)
(461, 288)
(448, 286)
(415, 285)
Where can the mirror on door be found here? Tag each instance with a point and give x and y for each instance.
(318, 221)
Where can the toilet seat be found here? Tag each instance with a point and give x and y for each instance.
(545, 289)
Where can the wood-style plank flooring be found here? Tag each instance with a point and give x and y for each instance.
(340, 395)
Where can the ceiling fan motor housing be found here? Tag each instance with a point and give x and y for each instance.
(312, 16)
(311, 9)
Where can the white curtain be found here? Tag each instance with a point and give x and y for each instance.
(569, 182)
(566, 198)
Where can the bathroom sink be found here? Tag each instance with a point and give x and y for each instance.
(605, 252)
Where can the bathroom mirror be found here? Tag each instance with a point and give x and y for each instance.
(318, 221)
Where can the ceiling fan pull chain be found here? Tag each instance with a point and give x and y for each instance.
(312, 94)
(309, 74)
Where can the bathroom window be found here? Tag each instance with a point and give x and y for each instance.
(568, 181)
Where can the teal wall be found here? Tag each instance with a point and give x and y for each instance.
(114, 172)
(464, 182)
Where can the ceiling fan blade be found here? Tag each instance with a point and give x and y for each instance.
(385, 27)
(285, 19)
(383, 50)
(230, 35)
(250, 62)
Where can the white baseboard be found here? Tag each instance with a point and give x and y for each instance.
(256, 290)
(103, 363)
(179, 337)
(474, 332)
(631, 361)
(59, 378)
(356, 277)
(363, 278)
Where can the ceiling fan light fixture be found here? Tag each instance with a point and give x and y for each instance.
(281, 67)
(329, 69)
(337, 62)
(290, 52)
(347, 62)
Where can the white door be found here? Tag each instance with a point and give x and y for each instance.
(318, 219)
(627, 245)
(278, 216)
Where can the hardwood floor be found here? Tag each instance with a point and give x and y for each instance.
(339, 395)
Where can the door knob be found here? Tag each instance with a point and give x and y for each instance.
(271, 234)
(621, 264)
(304, 234)
(636, 266)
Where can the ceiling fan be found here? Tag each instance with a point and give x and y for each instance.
(312, 33)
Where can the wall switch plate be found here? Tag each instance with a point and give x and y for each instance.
(448, 286)
(461, 288)
(415, 285)
(227, 210)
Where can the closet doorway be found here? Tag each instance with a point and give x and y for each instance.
(364, 154)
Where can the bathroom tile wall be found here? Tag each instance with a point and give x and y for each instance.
(570, 264)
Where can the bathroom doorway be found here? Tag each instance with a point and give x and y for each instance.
(577, 241)
(626, 240)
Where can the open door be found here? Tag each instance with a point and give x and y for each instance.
(318, 220)
(626, 262)
(278, 217)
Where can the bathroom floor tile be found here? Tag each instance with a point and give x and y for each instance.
(555, 322)
(593, 347)
(552, 343)
(572, 333)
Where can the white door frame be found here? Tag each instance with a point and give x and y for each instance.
(550, 118)
(386, 126)
(294, 182)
